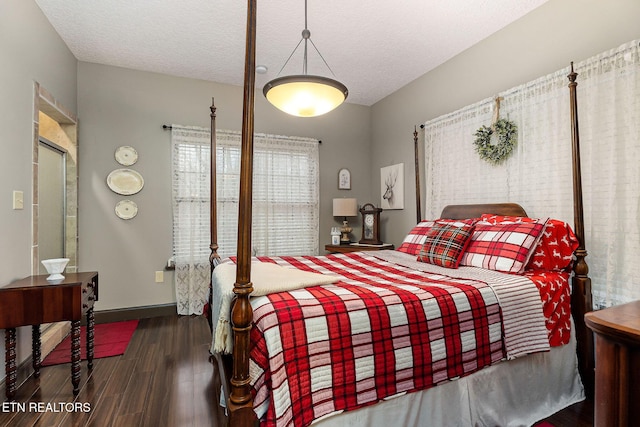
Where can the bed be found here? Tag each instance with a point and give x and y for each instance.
(400, 337)
(384, 307)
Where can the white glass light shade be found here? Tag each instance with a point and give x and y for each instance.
(305, 95)
(345, 207)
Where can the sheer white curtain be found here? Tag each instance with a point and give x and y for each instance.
(285, 209)
(538, 174)
(190, 160)
(609, 103)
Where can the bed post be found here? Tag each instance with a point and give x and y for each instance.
(214, 258)
(417, 172)
(581, 283)
(240, 401)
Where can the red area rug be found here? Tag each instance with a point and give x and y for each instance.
(110, 339)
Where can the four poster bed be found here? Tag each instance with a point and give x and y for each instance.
(402, 336)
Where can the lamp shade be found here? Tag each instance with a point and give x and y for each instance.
(305, 95)
(345, 207)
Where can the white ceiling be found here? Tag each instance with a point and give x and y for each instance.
(374, 47)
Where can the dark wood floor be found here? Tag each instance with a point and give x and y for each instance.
(578, 415)
(164, 378)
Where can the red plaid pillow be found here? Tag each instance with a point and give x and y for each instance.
(415, 239)
(444, 245)
(554, 251)
(502, 247)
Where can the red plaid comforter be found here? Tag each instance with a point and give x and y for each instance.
(383, 330)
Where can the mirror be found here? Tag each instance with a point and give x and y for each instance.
(55, 207)
(51, 201)
(55, 192)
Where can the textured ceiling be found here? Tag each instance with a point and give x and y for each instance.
(373, 47)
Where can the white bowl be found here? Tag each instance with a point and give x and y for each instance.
(55, 267)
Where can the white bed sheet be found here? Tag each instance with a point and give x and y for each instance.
(519, 392)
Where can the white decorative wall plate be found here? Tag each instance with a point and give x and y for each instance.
(126, 155)
(126, 209)
(125, 181)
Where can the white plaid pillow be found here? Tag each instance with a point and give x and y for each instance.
(502, 247)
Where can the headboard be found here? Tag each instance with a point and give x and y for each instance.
(474, 211)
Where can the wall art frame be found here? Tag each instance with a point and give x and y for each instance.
(344, 179)
(392, 187)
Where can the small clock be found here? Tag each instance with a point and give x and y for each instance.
(370, 225)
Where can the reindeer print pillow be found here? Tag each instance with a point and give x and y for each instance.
(555, 248)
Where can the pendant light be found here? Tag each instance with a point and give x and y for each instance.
(305, 95)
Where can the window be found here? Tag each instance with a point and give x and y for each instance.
(285, 203)
(285, 194)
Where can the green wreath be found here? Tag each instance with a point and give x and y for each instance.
(506, 132)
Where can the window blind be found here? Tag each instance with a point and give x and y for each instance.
(285, 193)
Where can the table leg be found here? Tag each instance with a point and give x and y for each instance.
(90, 326)
(35, 349)
(75, 356)
(10, 362)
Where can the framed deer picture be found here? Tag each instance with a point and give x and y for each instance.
(392, 187)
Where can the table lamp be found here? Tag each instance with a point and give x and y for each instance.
(345, 208)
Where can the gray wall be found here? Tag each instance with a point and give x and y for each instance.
(125, 107)
(544, 41)
(30, 50)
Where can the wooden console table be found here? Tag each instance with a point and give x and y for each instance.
(34, 301)
(617, 391)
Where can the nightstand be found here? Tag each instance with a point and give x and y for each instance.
(34, 301)
(617, 390)
(356, 247)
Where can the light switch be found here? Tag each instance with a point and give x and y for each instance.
(18, 199)
(159, 276)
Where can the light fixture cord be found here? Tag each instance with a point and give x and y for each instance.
(289, 58)
(322, 57)
(306, 35)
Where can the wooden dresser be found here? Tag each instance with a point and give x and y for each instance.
(355, 247)
(617, 388)
(34, 301)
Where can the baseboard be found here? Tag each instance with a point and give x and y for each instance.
(53, 335)
(131, 313)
